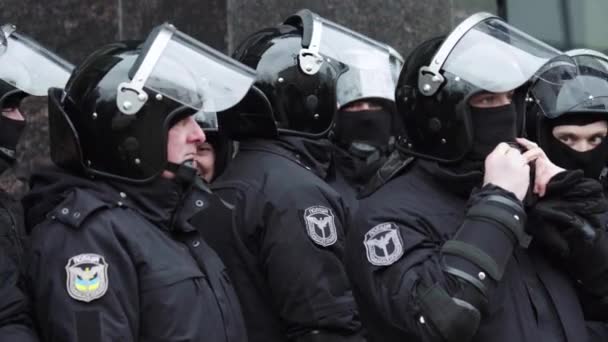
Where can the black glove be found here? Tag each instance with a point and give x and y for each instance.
(561, 230)
(568, 218)
(569, 222)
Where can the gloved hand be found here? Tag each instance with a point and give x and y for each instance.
(567, 219)
(560, 230)
(569, 222)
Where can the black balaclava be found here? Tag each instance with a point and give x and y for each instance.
(592, 162)
(362, 133)
(492, 126)
(10, 130)
(363, 139)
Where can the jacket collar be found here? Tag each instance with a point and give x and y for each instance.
(163, 202)
(313, 155)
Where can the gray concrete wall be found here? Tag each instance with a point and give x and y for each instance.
(74, 28)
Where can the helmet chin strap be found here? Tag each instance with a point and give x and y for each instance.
(185, 173)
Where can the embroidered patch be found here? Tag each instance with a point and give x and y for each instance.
(383, 244)
(87, 277)
(320, 225)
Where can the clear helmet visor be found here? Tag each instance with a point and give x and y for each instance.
(589, 59)
(494, 56)
(3, 41)
(371, 68)
(28, 66)
(189, 72)
(566, 85)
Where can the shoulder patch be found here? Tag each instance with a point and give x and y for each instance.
(383, 244)
(320, 225)
(87, 277)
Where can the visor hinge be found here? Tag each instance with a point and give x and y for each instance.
(8, 29)
(129, 99)
(429, 81)
(310, 61)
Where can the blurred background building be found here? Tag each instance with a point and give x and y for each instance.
(565, 24)
(74, 28)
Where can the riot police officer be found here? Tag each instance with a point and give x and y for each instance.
(569, 119)
(442, 252)
(26, 69)
(364, 126)
(284, 252)
(114, 256)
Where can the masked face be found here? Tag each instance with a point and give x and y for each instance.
(363, 127)
(494, 120)
(582, 147)
(581, 138)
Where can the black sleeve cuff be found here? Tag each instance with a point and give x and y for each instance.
(484, 244)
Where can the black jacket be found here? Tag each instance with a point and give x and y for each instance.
(116, 262)
(285, 249)
(15, 322)
(350, 175)
(534, 300)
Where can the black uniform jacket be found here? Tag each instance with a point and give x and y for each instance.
(285, 249)
(350, 175)
(116, 262)
(15, 322)
(534, 301)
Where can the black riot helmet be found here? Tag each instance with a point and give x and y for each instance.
(27, 68)
(307, 67)
(576, 85)
(482, 54)
(570, 91)
(372, 71)
(119, 104)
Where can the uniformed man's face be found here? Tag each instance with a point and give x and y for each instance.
(582, 138)
(205, 161)
(182, 141)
